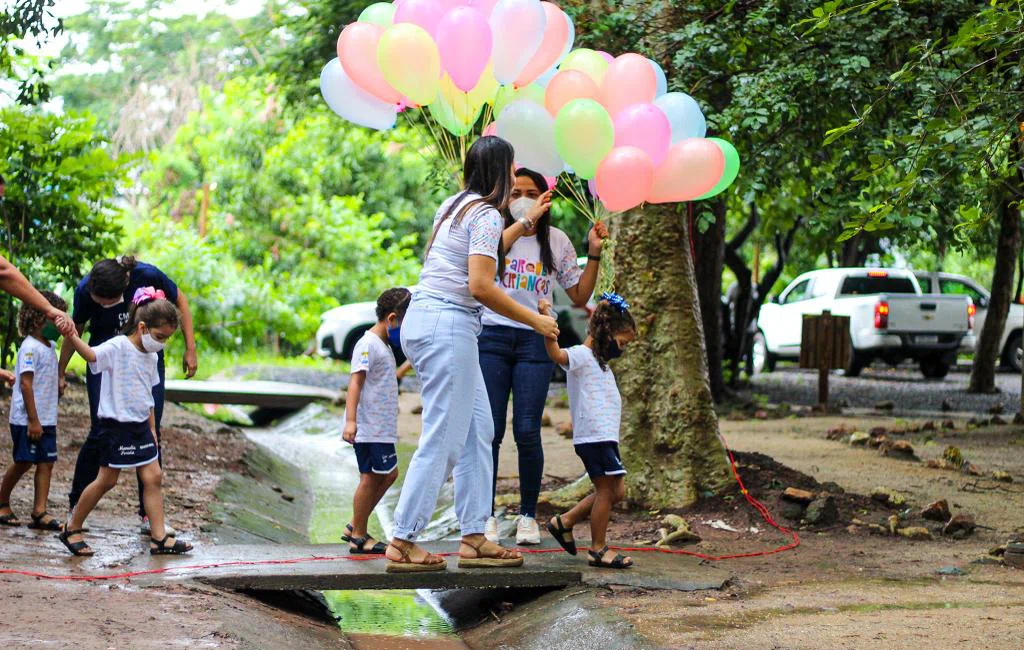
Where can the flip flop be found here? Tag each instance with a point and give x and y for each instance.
(360, 542)
(597, 560)
(481, 562)
(406, 564)
(559, 534)
(39, 524)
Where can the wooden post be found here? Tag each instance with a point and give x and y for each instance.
(825, 338)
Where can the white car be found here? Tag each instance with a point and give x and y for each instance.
(889, 319)
(948, 283)
(341, 327)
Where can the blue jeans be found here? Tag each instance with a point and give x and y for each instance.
(439, 338)
(87, 466)
(515, 361)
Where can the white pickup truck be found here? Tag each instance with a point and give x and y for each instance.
(889, 320)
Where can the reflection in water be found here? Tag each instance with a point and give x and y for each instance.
(312, 441)
(374, 642)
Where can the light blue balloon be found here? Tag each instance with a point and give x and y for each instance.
(684, 115)
(546, 78)
(662, 79)
(353, 103)
(530, 129)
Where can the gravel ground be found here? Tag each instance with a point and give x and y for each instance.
(903, 386)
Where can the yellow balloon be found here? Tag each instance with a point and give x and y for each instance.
(487, 87)
(586, 61)
(410, 62)
(464, 107)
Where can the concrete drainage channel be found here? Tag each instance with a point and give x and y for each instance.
(300, 491)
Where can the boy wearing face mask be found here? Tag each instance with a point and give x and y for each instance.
(33, 414)
(371, 416)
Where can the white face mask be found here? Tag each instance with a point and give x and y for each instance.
(521, 207)
(150, 344)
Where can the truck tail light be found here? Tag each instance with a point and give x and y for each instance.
(878, 274)
(971, 311)
(881, 315)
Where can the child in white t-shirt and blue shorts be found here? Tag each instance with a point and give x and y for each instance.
(596, 409)
(126, 422)
(371, 416)
(33, 415)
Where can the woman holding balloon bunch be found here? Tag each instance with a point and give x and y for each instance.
(512, 356)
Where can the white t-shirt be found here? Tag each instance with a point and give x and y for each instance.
(594, 400)
(377, 413)
(40, 360)
(527, 281)
(446, 270)
(129, 374)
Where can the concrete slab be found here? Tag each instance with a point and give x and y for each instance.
(265, 394)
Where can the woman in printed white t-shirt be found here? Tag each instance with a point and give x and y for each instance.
(512, 355)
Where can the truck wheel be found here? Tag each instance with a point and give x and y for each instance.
(855, 365)
(1013, 352)
(934, 368)
(761, 359)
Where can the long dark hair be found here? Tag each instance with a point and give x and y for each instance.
(109, 278)
(547, 258)
(487, 172)
(607, 321)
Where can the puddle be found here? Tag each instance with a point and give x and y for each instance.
(382, 620)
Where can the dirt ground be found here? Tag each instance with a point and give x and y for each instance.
(119, 614)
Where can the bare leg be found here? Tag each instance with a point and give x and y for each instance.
(11, 478)
(42, 483)
(91, 495)
(579, 512)
(364, 501)
(153, 499)
(609, 491)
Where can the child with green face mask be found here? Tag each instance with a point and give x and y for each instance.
(34, 414)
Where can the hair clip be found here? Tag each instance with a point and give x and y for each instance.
(615, 300)
(147, 294)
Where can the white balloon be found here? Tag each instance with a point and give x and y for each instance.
(662, 80)
(531, 131)
(353, 103)
(518, 28)
(684, 115)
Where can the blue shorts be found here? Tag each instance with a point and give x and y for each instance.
(43, 450)
(126, 444)
(376, 457)
(601, 459)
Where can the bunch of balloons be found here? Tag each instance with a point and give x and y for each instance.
(608, 120)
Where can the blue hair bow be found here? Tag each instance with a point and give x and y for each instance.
(615, 300)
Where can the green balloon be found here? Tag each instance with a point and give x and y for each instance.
(379, 13)
(584, 134)
(443, 113)
(586, 61)
(508, 94)
(732, 168)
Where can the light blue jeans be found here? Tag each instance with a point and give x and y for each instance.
(440, 339)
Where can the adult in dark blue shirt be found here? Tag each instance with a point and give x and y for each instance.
(101, 302)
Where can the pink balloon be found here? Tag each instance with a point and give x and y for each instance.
(607, 57)
(556, 34)
(464, 40)
(550, 180)
(357, 52)
(630, 80)
(644, 126)
(448, 5)
(491, 129)
(425, 13)
(691, 168)
(483, 6)
(566, 86)
(624, 178)
(518, 27)
(592, 186)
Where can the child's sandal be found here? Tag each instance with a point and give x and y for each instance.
(360, 543)
(347, 537)
(559, 532)
(10, 519)
(40, 522)
(618, 562)
(79, 549)
(178, 548)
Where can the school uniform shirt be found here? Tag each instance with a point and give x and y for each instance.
(594, 400)
(527, 281)
(40, 360)
(377, 412)
(107, 322)
(129, 374)
(445, 272)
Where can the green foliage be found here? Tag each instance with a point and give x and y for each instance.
(58, 213)
(34, 22)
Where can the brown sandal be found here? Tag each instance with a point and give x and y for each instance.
(488, 562)
(408, 565)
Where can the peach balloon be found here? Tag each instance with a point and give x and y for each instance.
(357, 52)
(556, 34)
(691, 168)
(566, 86)
(624, 178)
(630, 79)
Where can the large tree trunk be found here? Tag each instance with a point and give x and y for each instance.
(709, 253)
(669, 427)
(986, 356)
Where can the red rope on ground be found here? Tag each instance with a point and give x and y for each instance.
(757, 505)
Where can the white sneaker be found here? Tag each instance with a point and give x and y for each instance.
(144, 529)
(527, 531)
(491, 530)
